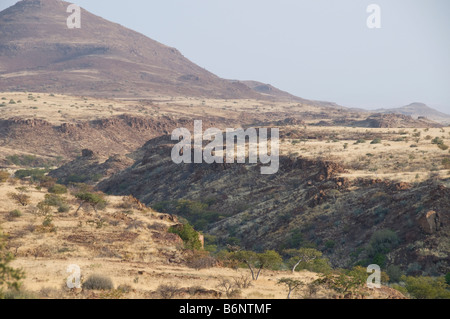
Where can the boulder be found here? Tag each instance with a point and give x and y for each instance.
(430, 222)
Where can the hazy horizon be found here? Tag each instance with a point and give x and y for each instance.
(320, 50)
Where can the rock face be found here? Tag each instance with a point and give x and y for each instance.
(430, 222)
(104, 137)
(91, 168)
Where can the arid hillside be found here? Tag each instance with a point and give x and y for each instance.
(130, 247)
(39, 53)
(331, 192)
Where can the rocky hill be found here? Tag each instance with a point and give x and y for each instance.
(39, 53)
(419, 110)
(108, 136)
(306, 203)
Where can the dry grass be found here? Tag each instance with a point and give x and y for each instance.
(391, 159)
(131, 258)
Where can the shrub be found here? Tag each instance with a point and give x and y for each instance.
(63, 208)
(35, 174)
(243, 282)
(48, 221)
(376, 141)
(167, 291)
(4, 176)
(446, 163)
(426, 287)
(9, 277)
(47, 182)
(125, 289)
(21, 198)
(381, 243)
(54, 200)
(228, 287)
(395, 273)
(437, 141)
(201, 260)
(189, 236)
(58, 189)
(98, 282)
(15, 213)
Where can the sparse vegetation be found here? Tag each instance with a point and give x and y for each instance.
(426, 287)
(167, 291)
(256, 262)
(4, 176)
(15, 213)
(94, 200)
(20, 198)
(291, 284)
(376, 141)
(10, 277)
(57, 189)
(98, 282)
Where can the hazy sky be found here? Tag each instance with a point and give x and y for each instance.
(316, 49)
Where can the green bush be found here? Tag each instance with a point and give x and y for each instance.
(395, 273)
(188, 234)
(381, 243)
(64, 208)
(98, 282)
(9, 277)
(58, 189)
(197, 213)
(54, 200)
(31, 161)
(15, 213)
(376, 141)
(427, 287)
(437, 141)
(95, 200)
(35, 174)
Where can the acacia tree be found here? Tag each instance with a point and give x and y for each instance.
(21, 198)
(302, 255)
(344, 282)
(9, 276)
(256, 262)
(94, 200)
(291, 284)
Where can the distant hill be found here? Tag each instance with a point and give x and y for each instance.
(416, 110)
(38, 52)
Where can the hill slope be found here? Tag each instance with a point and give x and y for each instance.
(416, 110)
(39, 53)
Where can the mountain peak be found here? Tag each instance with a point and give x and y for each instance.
(418, 105)
(38, 52)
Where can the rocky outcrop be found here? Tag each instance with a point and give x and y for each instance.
(380, 120)
(429, 222)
